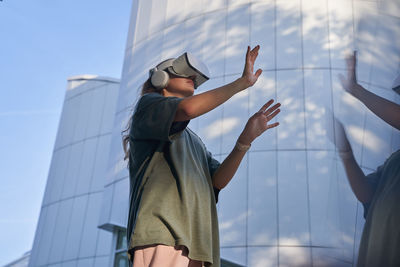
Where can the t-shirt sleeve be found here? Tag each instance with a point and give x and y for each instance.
(154, 118)
(373, 179)
(213, 165)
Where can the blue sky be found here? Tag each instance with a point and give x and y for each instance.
(42, 43)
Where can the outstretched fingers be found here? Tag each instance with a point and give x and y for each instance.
(272, 125)
(248, 71)
(351, 61)
(271, 116)
(343, 81)
(258, 73)
(254, 52)
(270, 110)
(248, 53)
(266, 105)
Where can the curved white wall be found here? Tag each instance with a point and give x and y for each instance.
(289, 203)
(67, 233)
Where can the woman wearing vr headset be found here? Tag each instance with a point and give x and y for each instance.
(174, 180)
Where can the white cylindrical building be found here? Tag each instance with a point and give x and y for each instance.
(67, 233)
(289, 203)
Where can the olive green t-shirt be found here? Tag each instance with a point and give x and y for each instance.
(380, 241)
(173, 201)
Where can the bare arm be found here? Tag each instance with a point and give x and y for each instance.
(256, 125)
(194, 106)
(358, 182)
(384, 109)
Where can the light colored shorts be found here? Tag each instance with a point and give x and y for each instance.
(163, 256)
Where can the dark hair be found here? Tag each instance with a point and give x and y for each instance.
(147, 87)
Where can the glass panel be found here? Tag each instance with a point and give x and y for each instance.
(71, 173)
(40, 232)
(294, 256)
(71, 250)
(173, 45)
(103, 262)
(377, 135)
(233, 257)
(293, 199)
(83, 116)
(329, 257)
(232, 212)
(194, 36)
(142, 25)
(288, 29)
(235, 117)
(340, 31)
(323, 195)
(102, 152)
(90, 230)
(350, 112)
(93, 122)
(262, 207)
(86, 168)
(366, 29)
(61, 230)
(290, 95)
(47, 235)
(237, 38)
(385, 50)
(121, 240)
(263, 33)
(315, 34)
(214, 48)
(175, 12)
(210, 124)
(260, 93)
(347, 212)
(121, 260)
(158, 13)
(70, 264)
(317, 88)
(108, 109)
(211, 5)
(85, 262)
(104, 242)
(262, 256)
(120, 205)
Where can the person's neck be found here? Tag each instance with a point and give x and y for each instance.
(167, 93)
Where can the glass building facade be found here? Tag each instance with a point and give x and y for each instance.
(67, 232)
(289, 203)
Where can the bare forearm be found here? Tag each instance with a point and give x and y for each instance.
(228, 168)
(358, 182)
(194, 106)
(383, 108)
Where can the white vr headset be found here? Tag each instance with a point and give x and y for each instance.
(186, 65)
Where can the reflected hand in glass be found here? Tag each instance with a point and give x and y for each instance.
(337, 135)
(349, 83)
(260, 122)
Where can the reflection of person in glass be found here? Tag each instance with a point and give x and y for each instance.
(379, 191)
(174, 180)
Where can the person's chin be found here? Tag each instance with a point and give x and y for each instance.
(190, 91)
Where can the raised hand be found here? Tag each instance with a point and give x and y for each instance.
(259, 122)
(349, 83)
(248, 72)
(336, 134)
